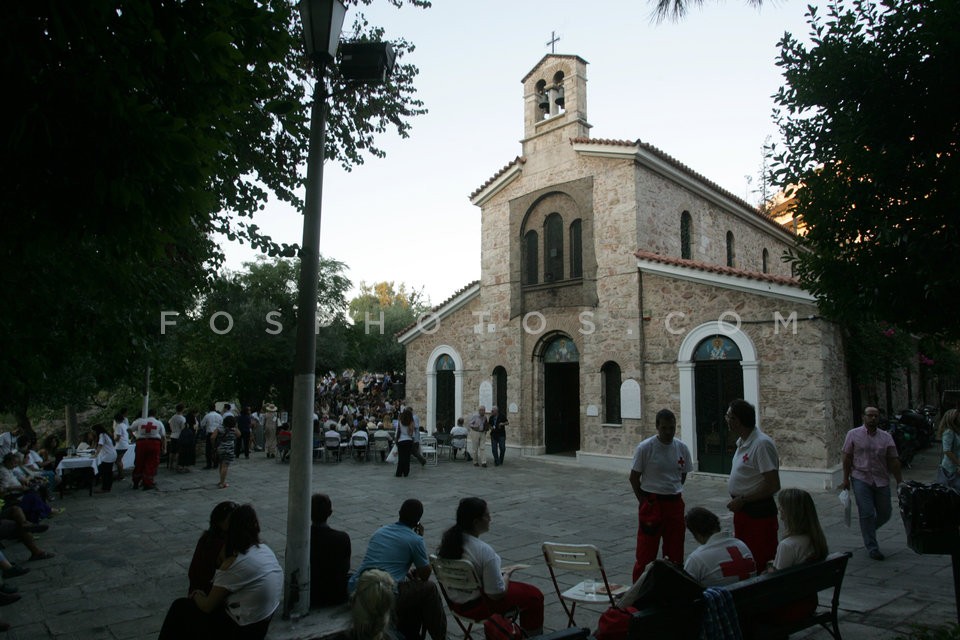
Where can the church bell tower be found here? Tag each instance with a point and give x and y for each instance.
(555, 101)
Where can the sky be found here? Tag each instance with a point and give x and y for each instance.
(699, 89)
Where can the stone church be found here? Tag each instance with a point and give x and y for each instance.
(615, 281)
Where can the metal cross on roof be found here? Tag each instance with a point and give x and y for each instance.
(552, 42)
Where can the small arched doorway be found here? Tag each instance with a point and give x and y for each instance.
(500, 390)
(561, 396)
(445, 412)
(718, 379)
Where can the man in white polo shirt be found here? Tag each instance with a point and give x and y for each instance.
(754, 480)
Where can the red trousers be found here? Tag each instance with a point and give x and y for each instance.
(659, 519)
(146, 462)
(520, 595)
(760, 536)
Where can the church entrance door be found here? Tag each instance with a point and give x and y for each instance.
(561, 407)
(717, 384)
(446, 402)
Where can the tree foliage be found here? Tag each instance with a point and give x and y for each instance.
(143, 129)
(378, 313)
(677, 9)
(240, 341)
(871, 129)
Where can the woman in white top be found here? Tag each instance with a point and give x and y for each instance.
(499, 593)
(106, 458)
(121, 439)
(246, 590)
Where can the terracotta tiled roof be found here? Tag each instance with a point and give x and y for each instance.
(506, 167)
(682, 167)
(434, 309)
(716, 268)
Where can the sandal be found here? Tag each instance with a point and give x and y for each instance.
(45, 555)
(223, 485)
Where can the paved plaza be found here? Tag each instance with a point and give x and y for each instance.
(123, 557)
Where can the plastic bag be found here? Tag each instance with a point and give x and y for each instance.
(845, 503)
(394, 455)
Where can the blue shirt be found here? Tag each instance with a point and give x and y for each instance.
(392, 548)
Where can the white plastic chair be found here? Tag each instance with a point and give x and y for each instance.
(428, 449)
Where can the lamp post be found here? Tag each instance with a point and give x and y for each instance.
(322, 22)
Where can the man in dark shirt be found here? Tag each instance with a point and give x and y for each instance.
(329, 556)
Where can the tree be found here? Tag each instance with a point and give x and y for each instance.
(378, 313)
(240, 341)
(142, 129)
(677, 9)
(871, 132)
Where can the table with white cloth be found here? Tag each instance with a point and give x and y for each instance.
(79, 471)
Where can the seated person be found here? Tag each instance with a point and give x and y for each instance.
(208, 554)
(370, 608)
(245, 594)
(458, 432)
(383, 434)
(329, 556)
(500, 594)
(329, 435)
(360, 435)
(720, 559)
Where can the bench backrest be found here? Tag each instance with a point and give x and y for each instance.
(782, 587)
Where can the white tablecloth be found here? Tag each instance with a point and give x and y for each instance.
(79, 462)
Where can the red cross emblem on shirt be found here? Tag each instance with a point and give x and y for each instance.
(746, 457)
(738, 566)
(681, 461)
(149, 427)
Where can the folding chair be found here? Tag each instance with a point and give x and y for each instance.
(381, 444)
(428, 449)
(458, 443)
(583, 558)
(461, 576)
(332, 447)
(359, 444)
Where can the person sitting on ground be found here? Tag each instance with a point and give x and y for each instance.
(370, 608)
(720, 559)
(459, 432)
(245, 594)
(329, 556)
(208, 554)
(500, 594)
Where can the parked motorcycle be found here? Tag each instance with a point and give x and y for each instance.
(904, 437)
(921, 424)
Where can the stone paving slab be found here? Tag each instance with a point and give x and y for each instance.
(122, 558)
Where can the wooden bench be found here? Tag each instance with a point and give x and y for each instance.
(753, 598)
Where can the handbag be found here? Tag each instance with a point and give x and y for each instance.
(500, 627)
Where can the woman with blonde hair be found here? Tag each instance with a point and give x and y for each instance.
(804, 540)
(371, 606)
(947, 471)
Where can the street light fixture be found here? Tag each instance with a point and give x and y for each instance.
(322, 22)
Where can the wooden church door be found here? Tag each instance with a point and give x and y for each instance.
(718, 379)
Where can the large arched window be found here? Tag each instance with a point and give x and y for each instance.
(610, 374)
(531, 257)
(731, 252)
(553, 248)
(686, 229)
(576, 249)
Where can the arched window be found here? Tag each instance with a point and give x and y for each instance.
(610, 374)
(553, 248)
(531, 258)
(765, 261)
(686, 224)
(731, 253)
(576, 249)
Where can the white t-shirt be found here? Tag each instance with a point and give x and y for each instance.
(177, 423)
(661, 466)
(487, 564)
(721, 561)
(211, 422)
(121, 435)
(109, 452)
(148, 428)
(255, 583)
(361, 435)
(754, 456)
(793, 550)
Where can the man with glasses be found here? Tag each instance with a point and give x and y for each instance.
(754, 479)
(869, 457)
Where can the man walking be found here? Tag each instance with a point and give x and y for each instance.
(754, 480)
(657, 476)
(498, 436)
(479, 425)
(210, 424)
(869, 457)
(395, 548)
